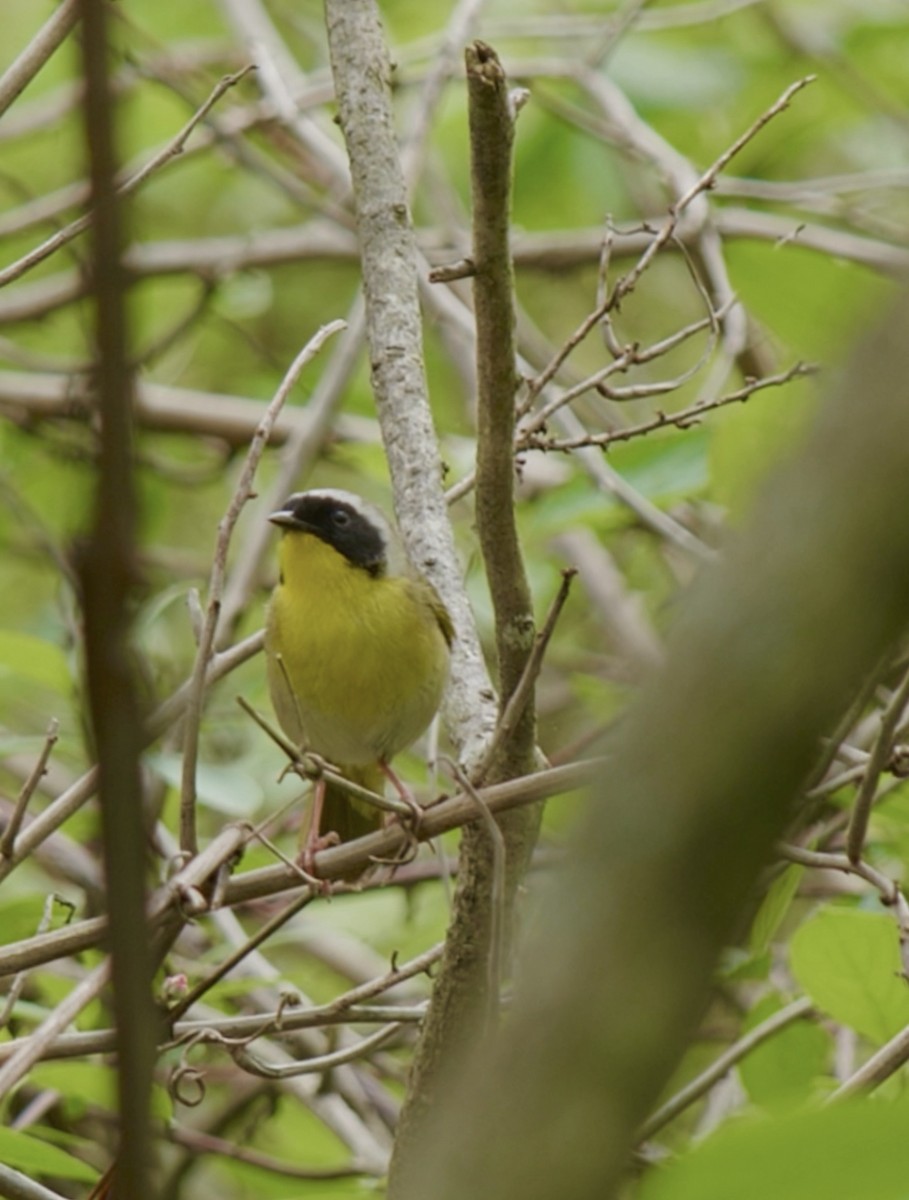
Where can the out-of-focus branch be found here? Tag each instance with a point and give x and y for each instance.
(553, 250)
(32, 397)
(17, 1186)
(50, 36)
(109, 573)
(767, 652)
(172, 150)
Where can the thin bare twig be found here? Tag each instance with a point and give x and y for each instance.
(231, 960)
(877, 1069)
(625, 357)
(34, 1048)
(18, 983)
(886, 888)
(242, 494)
(172, 150)
(703, 183)
(683, 419)
(523, 691)
(318, 1063)
(312, 766)
(877, 763)
(8, 841)
(798, 1010)
(350, 1006)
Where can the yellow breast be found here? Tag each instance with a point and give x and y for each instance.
(356, 663)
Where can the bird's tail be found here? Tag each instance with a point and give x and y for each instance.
(347, 816)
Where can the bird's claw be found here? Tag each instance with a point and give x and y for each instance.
(307, 859)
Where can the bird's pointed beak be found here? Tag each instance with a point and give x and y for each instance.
(283, 517)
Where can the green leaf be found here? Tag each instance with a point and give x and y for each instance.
(738, 965)
(847, 960)
(841, 1153)
(748, 441)
(773, 908)
(20, 916)
(27, 657)
(84, 1084)
(788, 1067)
(227, 788)
(89, 1082)
(667, 467)
(35, 1157)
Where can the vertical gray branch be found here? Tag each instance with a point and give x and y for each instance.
(362, 71)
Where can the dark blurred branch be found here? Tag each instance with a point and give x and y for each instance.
(109, 573)
(767, 652)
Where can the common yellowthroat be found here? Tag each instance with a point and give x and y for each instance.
(357, 646)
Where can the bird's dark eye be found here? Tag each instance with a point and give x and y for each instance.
(341, 518)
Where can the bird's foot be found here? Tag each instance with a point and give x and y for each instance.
(409, 822)
(306, 859)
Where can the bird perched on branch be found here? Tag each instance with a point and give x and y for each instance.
(357, 646)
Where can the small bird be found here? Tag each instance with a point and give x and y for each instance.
(357, 645)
